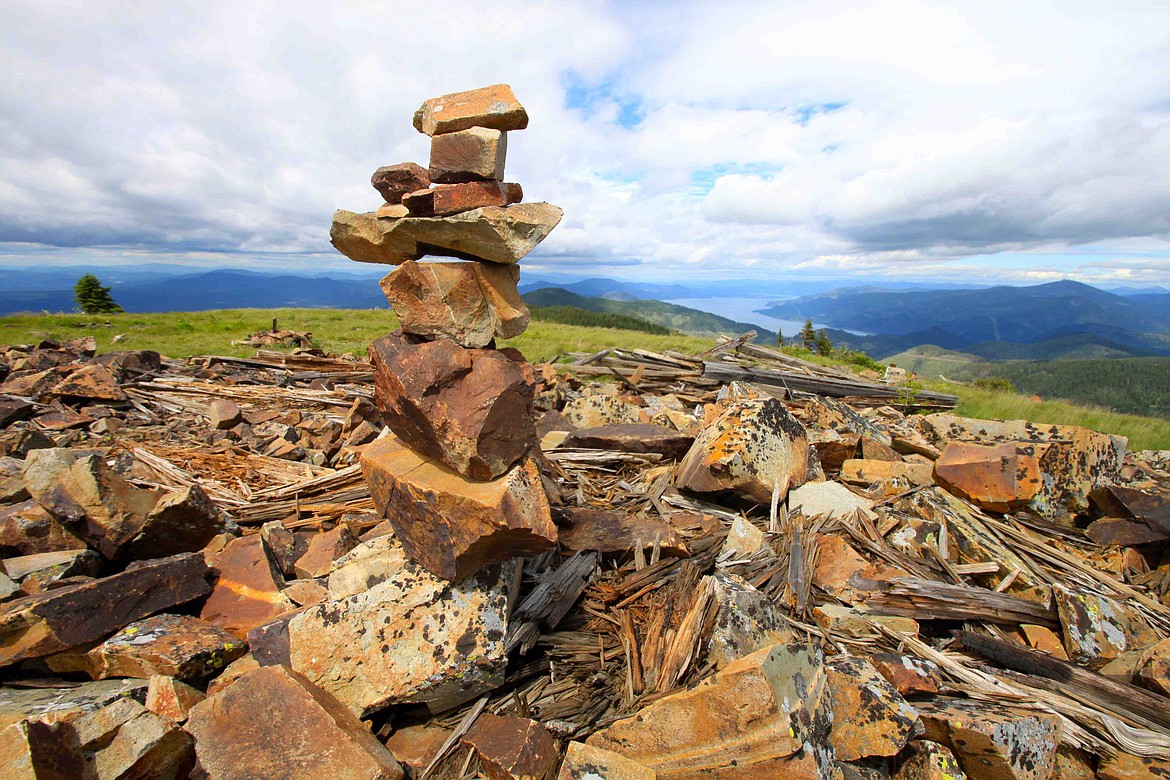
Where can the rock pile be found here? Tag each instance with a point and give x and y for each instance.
(540, 576)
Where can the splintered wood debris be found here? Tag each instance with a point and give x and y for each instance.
(665, 595)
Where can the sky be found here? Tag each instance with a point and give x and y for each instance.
(1017, 142)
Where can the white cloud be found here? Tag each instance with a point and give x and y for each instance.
(821, 137)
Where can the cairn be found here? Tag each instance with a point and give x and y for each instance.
(458, 480)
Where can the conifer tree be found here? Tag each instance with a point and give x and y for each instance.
(808, 336)
(92, 298)
(779, 338)
(824, 346)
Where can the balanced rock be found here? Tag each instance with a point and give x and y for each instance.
(754, 448)
(494, 107)
(394, 181)
(470, 303)
(411, 637)
(73, 615)
(451, 525)
(445, 199)
(499, 234)
(747, 720)
(273, 722)
(475, 154)
(512, 748)
(468, 409)
(174, 645)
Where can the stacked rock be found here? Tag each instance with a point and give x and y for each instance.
(458, 479)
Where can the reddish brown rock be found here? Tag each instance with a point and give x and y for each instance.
(126, 740)
(844, 574)
(1154, 673)
(416, 746)
(910, 676)
(27, 529)
(240, 734)
(33, 384)
(512, 748)
(171, 698)
(394, 181)
(223, 414)
(174, 645)
(470, 303)
(897, 475)
(184, 520)
(70, 616)
(91, 382)
(306, 593)
(746, 721)
(324, 549)
(870, 718)
(445, 199)
(1000, 477)
(32, 750)
(451, 525)
(475, 154)
(469, 409)
(493, 107)
(498, 234)
(607, 531)
(247, 589)
(586, 762)
(992, 740)
(283, 546)
(631, 437)
(755, 448)
(1044, 639)
(13, 409)
(1125, 766)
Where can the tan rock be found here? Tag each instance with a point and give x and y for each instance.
(451, 525)
(409, 638)
(284, 547)
(240, 735)
(223, 414)
(1125, 766)
(512, 748)
(234, 671)
(926, 760)
(743, 539)
(499, 234)
(1044, 639)
(1000, 477)
(745, 721)
(1098, 629)
(755, 448)
(324, 549)
(306, 593)
(828, 499)
(909, 675)
(73, 615)
(870, 718)
(1073, 764)
(392, 211)
(1154, 673)
(371, 562)
(416, 746)
(745, 621)
(394, 181)
(855, 622)
(896, 476)
(171, 698)
(1077, 460)
(493, 107)
(52, 566)
(247, 589)
(469, 409)
(91, 382)
(176, 645)
(844, 574)
(587, 762)
(474, 154)
(62, 704)
(594, 409)
(992, 740)
(125, 740)
(446, 199)
(470, 303)
(31, 750)
(27, 529)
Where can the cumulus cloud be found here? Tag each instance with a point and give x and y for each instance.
(686, 140)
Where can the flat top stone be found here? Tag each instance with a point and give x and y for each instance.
(494, 107)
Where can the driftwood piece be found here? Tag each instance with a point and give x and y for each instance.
(931, 600)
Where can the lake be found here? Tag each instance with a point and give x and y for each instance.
(743, 310)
